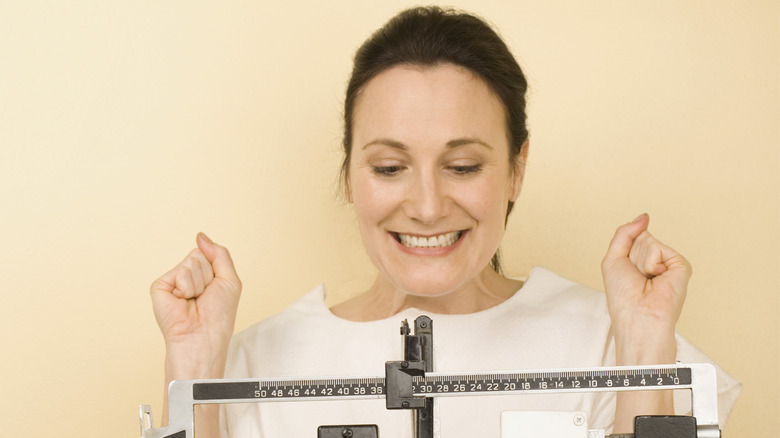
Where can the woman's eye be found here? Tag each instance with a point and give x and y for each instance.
(466, 170)
(386, 170)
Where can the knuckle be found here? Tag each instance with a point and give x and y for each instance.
(162, 283)
(183, 271)
(194, 254)
(194, 264)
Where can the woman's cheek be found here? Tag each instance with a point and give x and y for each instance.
(483, 199)
(375, 200)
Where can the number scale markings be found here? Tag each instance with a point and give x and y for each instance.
(567, 381)
(445, 384)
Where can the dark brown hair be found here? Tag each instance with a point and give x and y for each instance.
(427, 37)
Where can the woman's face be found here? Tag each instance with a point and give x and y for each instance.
(430, 176)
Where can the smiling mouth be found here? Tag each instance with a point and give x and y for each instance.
(440, 241)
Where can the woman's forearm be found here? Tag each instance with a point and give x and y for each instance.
(188, 364)
(642, 346)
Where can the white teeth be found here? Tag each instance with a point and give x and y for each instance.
(439, 241)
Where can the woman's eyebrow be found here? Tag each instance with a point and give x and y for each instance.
(466, 141)
(386, 142)
(450, 144)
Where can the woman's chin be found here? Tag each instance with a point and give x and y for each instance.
(429, 287)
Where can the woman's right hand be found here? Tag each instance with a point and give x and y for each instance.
(195, 305)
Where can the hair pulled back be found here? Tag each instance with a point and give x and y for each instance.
(430, 36)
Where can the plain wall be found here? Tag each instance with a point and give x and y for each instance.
(127, 127)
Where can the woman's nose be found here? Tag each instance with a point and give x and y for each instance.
(427, 199)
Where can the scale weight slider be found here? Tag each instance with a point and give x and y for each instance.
(351, 431)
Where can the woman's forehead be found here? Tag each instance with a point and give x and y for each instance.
(440, 103)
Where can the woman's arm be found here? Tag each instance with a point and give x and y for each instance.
(645, 282)
(195, 305)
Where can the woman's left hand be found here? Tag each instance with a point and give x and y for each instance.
(646, 283)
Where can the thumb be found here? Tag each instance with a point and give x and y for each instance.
(218, 256)
(621, 243)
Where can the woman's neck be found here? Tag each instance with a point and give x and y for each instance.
(383, 299)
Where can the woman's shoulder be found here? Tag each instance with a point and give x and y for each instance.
(546, 288)
(306, 310)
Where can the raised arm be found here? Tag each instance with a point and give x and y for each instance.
(195, 306)
(645, 282)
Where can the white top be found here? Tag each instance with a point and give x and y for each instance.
(550, 322)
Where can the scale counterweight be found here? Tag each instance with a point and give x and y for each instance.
(444, 384)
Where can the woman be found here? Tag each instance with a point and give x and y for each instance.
(435, 150)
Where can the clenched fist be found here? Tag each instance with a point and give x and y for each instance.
(195, 303)
(645, 280)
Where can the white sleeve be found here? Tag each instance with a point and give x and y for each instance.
(729, 388)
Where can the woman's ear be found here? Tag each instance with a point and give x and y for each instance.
(519, 171)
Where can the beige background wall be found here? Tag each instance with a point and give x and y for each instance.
(127, 127)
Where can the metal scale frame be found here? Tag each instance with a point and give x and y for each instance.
(412, 384)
